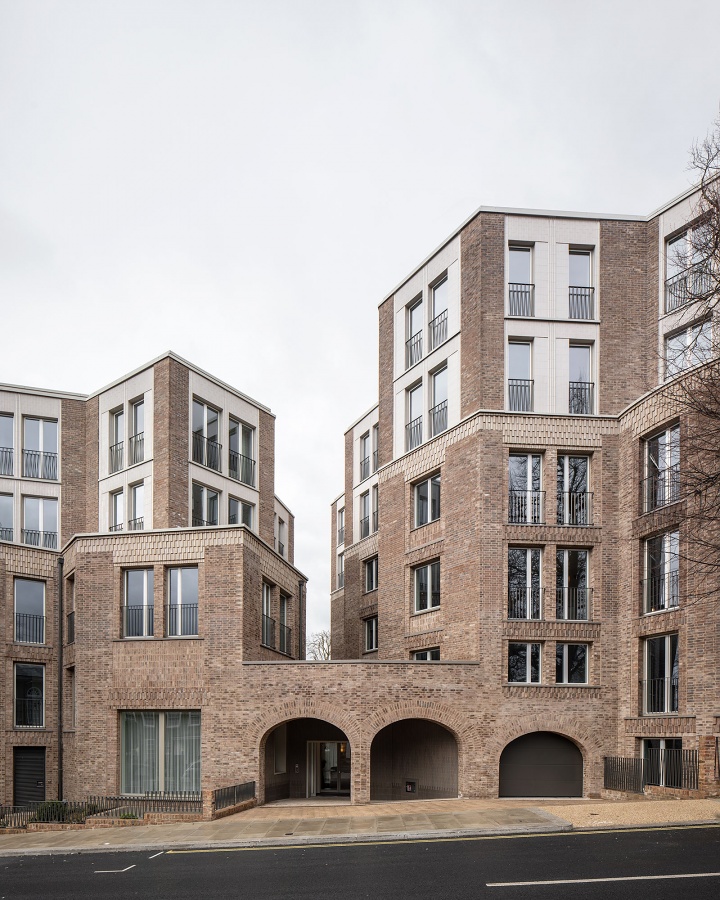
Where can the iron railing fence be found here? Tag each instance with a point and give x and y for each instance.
(131, 806)
(242, 468)
(582, 302)
(575, 508)
(341, 579)
(29, 629)
(660, 695)
(413, 433)
(438, 329)
(46, 539)
(181, 619)
(285, 639)
(522, 299)
(364, 468)
(664, 768)
(661, 488)
(206, 451)
(661, 591)
(520, 394)
(136, 524)
(580, 398)
(268, 632)
(6, 461)
(364, 526)
(525, 603)
(281, 548)
(136, 448)
(6, 534)
(231, 796)
(138, 621)
(70, 627)
(413, 350)
(37, 464)
(341, 535)
(526, 507)
(573, 603)
(691, 284)
(117, 457)
(623, 773)
(118, 526)
(30, 713)
(438, 418)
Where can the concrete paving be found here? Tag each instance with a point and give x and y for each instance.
(306, 822)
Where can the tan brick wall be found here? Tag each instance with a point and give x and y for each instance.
(73, 466)
(386, 370)
(266, 477)
(171, 445)
(92, 466)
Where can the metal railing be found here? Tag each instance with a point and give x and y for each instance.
(661, 488)
(40, 465)
(285, 639)
(341, 579)
(413, 433)
(29, 629)
(580, 398)
(520, 394)
(138, 621)
(526, 507)
(660, 695)
(575, 508)
(136, 448)
(364, 468)
(364, 526)
(30, 713)
(136, 524)
(117, 527)
(242, 468)
(439, 418)
(375, 460)
(205, 451)
(691, 284)
(522, 299)
(200, 523)
(661, 591)
(268, 632)
(413, 350)
(671, 768)
(131, 806)
(46, 539)
(582, 302)
(623, 773)
(181, 619)
(117, 457)
(281, 548)
(438, 329)
(573, 603)
(6, 460)
(375, 521)
(231, 796)
(70, 627)
(525, 603)
(6, 534)
(341, 535)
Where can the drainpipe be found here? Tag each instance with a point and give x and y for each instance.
(59, 638)
(301, 585)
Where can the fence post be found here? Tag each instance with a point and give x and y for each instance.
(208, 805)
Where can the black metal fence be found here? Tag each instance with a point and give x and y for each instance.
(236, 793)
(669, 768)
(624, 774)
(117, 807)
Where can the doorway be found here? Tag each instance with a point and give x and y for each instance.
(328, 768)
(28, 775)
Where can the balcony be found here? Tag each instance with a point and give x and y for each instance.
(136, 524)
(580, 398)
(525, 603)
(241, 468)
(693, 283)
(438, 418)
(136, 448)
(205, 451)
(413, 434)
(661, 591)
(70, 627)
(341, 535)
(40, 465)
(522, 300)
(117, 457)
(573, 603)
(526, 507)
(413, 350)
(285, 640)
(520, 394)
(6, 534)
(660, 695)
(438, 330)
(29, 629)
(582, 302)
(364, 468)
(138, 621)
(268, 632)
(181, 620)
(575, 508)
(7, 458)
(661, 488)
(118, 526)
(30, 713)
(46, 539)
(364, 526)
(197, 522)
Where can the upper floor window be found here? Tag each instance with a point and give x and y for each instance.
(341, 526)
(427, 500)
(571, 585)
(688, 274)
(182, 610)
(117, 511)
(520, 380)
(687, 348)
(581, 401)
(526, 501)
(571, 663)
(524, 590)
(205, 505)
(136, 446)
(206, 429)
(29, 695)
(341, 570)
(240, 513)
(439, 319)
(281, 528)
(6, 517)
(136, 521)
(7, 445)
(375, 447)
(427, 586)
(40, 522)
(40, 448)
(241, 463)
(371, 574)
(439, 410)
(521, 290)
(523, 663)
(285, 643)
(117, 440)
(413, 344)
(139, 603)
(364, 514)
(29, 611)
(662, 669)
(374, 524)
(662, 571)
(662, 468)
(365, 456)
(70, 606)
(371, 634)
(413, 429)
(574, 501)
(581, 299)
(268, 623)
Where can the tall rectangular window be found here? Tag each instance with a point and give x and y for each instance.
(268, 623)
(341, 570)
(687, 348)
(662, 571)
(341, 526)
(662, 468)
(520, 380)
(688, 269)
(40, 521)
(520, 282)
(6, 517)
(581, 299)
(137, 507)
(182, 610)
(117, 440)
(581, 400)
(427, 586)
(375, 500)
(662, 670)
(242, 452)
(524, 583)
(40, 449)
(413, 344)
(571, 663)
(524, 663)
(427, 500)
(137, 438)
(139, 603)
(571, 584)
(364, 514)
(117, 511)
(206, 449)
(365, 456)
(526, 500)
(439, 320)
(439, 410)
(29, 611)
(29, 695)
(413, 429)
(371, 574)
(574, 500)
(285, 630)
(375, 447)
(371, 634)
(240, 513)
(160, 751)
(205, 505)
(7, 445)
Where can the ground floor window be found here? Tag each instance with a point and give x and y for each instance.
(524, 663)
(160, 751)
(427, 655)
(664, 762)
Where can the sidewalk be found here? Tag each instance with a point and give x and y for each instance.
(292, 823)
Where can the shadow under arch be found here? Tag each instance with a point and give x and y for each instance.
(414, 759)
(541, 764)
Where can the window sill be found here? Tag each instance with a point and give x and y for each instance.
(423, 612)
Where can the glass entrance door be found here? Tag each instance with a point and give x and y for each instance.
(329, 768)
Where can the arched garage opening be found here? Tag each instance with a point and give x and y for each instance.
(306, 758)
(413, 759)
(541, 764)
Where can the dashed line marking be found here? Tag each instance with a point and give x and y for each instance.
(602, 880)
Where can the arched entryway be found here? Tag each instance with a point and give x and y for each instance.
(306, 758)
(541, 764)
(413, 759)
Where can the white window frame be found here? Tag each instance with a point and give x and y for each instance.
(117, 510)
(434, 479)
(341, 570)
(41, 517)
(204, 504)
(148, 629)
(430, 568)
(431, 654)
(371, 634)
(370, 567)
(565, 668)
(528, 601)
(670, 551)
(565, 587)
(16, 580)
(667, 693)
(697, 348)
(529, 652)
(178, 602)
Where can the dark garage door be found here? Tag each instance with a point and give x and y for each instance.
(28, 775)
(541, 764)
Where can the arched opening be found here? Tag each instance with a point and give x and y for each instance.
(541, 764)
(306, 758)
(413, 759)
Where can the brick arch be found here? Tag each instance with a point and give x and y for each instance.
(456, 723)
(305, 709)
(584, 740)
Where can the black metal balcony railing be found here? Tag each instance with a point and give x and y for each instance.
(671, 768)
(413, 350)
(29, 629)
(281, 548)
(693, 283)
(439, 418)
(181, 619)
(268, 631)
(660, 695)
(206, 452)
(197, 522)
(623, 773)
(6, 460)
(522, 299)
(526, 507)
(40, 465)
(661, 591)
(364, 468)
(580, 399)
(520, 394)
(439, 329)
(582, 302)
(364, 526)
(46, 539)
(118, 526)
(341, 579)
(136, 448)
(661, 488)
(6, 534)
(117, 457)
(138, 621)
(375, 460)
(413, 433)
(525, 603)
(341, 535)
(375, 521)
(70, 627)
(575, 508)
(285, 639)
(242, 468)
(573, 603)
(136, 524)
(30, 713)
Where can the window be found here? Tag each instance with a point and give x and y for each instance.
(117, 511)
(581, 293)
(571, 663)
(427, 587)
(664, 764)
(29, 695)
(524, 663)
(427, 500)
(574, 501)
(524, 590)
(520, 287)
(182, 611)
(520, 382)
(70, 617)
(285, 631)
(439, 321)
(375, 447)
(71, 696)
(205, 504)
(6, 517)
(137, 507)
(117, 440)
(240, 513)
(341, 526)
(29, 611)
(439, 410)
(371, 634)
(268, 623)
(662, 668)
(160, 751)
(341, 570)
(571, 584)
(662, 468)
(413, 344)
(365, 514)
(40, 449)
(137, 438)
(581, 401)
(413, 429)
(371, 574)
(206, 428)
(40, 518)
(688, 272)
(662, 581)
(526, 502)
(375, 508)
(433, 653)
(688, 348)
(242, 453)
(139, 605)
(7, 445)
(365, 456)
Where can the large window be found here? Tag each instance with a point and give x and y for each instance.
(6, 517)
(662, 575)
(139, 603)
(571, 663)
(524, 663)
(40, 521)
(206, 429)
(574, 501)
(413, 344)
(136, 522)
(371, 574)
(365, 514)
(240, 512)
(662, 468)
(526, 500)
(160, 751)
(581, 304)
(29, 695)
(205, 505)
(520, 286)
(662, 669)
(137, 438)
(182, 611)
(413, 429)
(341, 570)
(341, 526)
(117, 440)
(571, 580)
(520, 380)
(375, 447)
(7, 445)
(268, 623)
(365, 456)
(439, 320)
(40, 449)
(371, 634)
(688, 272)
(427, 500)
(117, 511)
(688, 348)
(524, 583)
(427, 586)
(29, 611)
(439, 410)
(375, 500)
(242, 452)
(581, 401)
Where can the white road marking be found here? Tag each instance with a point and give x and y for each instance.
(600, 880)
(156, 855)
(113, 871)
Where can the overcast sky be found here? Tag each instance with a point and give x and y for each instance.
(243, 182)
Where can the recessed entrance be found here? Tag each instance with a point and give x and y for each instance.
(328, 768)
(28, 775)
(413, 759)
(542, 764)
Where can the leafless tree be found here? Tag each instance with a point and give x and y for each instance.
(318, 645)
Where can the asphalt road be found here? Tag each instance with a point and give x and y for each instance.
(457, 869)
